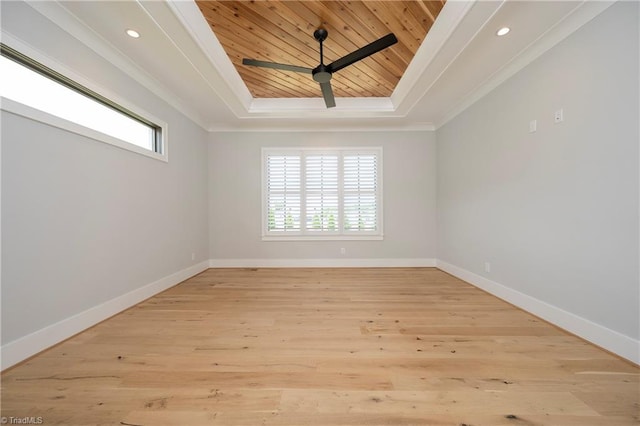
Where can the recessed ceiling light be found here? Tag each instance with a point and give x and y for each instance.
(503, 31)
(133, 33)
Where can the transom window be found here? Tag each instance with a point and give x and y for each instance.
(313, 193)
(33, 90)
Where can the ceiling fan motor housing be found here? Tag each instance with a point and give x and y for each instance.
(321, 73)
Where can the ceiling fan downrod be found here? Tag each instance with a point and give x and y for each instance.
(321, 73)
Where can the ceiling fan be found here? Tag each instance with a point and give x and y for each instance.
(322, 73)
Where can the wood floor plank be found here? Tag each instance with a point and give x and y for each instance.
(304, 346)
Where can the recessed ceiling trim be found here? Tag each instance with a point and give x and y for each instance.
(320, 126)
(346, 108)
(191, 18)
(174, 30)
(215, 81)
(60, 16)
(476, 18)
(443, 27)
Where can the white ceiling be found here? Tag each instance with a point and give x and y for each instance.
(460, 60)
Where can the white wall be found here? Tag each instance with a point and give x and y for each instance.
(555, 212)
(409, 199)
(85, 224)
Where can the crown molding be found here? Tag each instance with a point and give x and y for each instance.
(189, 15)
(315, 107)
(60, 16)
(226, 81)
(405, 95)
(333, 126)
(184, 27)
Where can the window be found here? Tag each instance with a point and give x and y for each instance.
(322, 194)
(29, 88)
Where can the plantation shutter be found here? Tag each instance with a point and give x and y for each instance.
(360, 192)
(283, 192)
(321, 192)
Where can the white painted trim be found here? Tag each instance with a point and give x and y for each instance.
(60, 16)
(230, 82)
(383, 124)
(304, 234)
(44, 117)
(611, 340)
(323, 263)
(328, 237)
(353, 114)
(190, 17)
(27, 346)
(409, 91)
(315, 107)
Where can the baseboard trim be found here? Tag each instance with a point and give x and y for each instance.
(18, 350)
(29, 345)
(321, 263)
(617, 343)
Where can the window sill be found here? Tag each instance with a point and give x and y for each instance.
(322, 238)
(26, 111)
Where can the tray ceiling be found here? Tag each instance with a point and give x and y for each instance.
(180, 59)
(282, 31)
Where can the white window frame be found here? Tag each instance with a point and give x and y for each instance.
(315, 235)
(74, 82)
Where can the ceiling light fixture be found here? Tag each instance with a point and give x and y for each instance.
(133, 34)
(503, 31)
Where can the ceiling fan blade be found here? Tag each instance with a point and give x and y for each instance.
(327, 93)
(363, 52)
(276, 66)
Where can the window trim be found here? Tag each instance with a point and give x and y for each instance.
(340, 235)
(160, 128)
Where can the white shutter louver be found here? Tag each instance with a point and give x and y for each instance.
(283, 192)
(321, 192)
(360, 192)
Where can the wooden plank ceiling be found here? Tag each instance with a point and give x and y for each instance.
(282, 31)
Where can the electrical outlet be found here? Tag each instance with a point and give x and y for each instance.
(193, 256)
(558, 116)
(487, 267)
(343, 250)
(533, 126)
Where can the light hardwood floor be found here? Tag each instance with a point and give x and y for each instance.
(392, 346)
